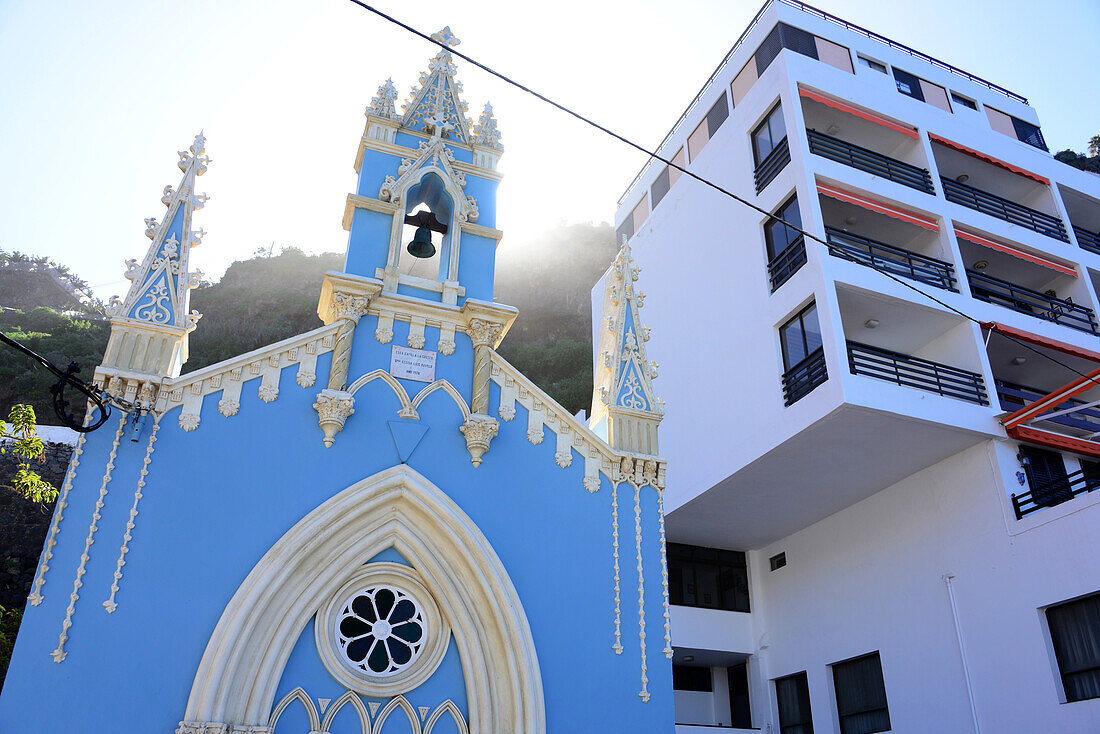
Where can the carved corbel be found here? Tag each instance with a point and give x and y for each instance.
(333, 409)
(479, 430)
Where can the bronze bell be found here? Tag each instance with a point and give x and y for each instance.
(421, 245)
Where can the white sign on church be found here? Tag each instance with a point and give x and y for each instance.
(412, 364)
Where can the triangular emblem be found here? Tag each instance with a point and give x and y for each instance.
(406, 437)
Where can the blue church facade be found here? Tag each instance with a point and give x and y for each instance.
(376, 527)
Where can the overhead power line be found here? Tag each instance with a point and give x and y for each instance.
(706, 182)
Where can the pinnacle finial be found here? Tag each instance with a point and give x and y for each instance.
(486, 132)
(446, 37)
(383, 102)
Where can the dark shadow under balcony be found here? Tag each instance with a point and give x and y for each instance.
(1062, 489)
(770, 167)
(1031, 302)
(923, 374)
(801, 379)
(868, 160)
(890, 259)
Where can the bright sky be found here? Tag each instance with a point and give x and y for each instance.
(97, 97)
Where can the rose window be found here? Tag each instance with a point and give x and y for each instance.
(380, 630)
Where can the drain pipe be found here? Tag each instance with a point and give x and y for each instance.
(947, 579)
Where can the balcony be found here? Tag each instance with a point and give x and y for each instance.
(868, 160)
(1084, 217)
(1056, 492)
(923, 374)
(800, 380)
(1002, 208)
(770, 167)
(890, 259)
(1031, 302)
(787, 263)
(1088, 240)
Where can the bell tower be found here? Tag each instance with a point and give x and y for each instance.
(426, 178)
(422, 242)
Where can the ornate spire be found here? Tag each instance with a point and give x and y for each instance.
(486, 132)
(159, 295)
(435, 105)
(382, 103)
(624, 377)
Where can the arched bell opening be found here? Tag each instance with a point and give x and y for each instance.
(426, 232)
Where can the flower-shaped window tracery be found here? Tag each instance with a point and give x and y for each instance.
(380, 630)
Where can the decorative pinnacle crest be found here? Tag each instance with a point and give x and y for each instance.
(159, 293)
(446, 37)
(486, 132)
(382, 103)
(625, 377)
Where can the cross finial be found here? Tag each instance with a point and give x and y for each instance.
(446, 37)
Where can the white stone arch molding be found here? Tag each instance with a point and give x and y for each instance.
(236, 680)
(455, 188)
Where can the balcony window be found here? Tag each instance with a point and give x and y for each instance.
(792, 694)
(707, 577)
(1046, 476)
(786, 249)
(861, 695)
(769, 148)
(1075, 635)
(803, 355)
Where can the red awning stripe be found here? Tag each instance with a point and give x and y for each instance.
(992, 244)
(905, 216)
(1041, 341)
(869, 116)
(989, 159)
(1055, 441)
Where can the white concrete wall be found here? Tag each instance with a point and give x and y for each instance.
(871, 578)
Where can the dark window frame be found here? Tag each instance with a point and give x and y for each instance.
(697, 678)
(872, 64)
(1058, 617)
(846, 713)
(800, 317)
(964, 101)
(757, 156)
(911, 81)
(801, 690)
(693, 565)
(790, 234)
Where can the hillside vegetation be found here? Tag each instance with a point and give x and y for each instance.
(272, 297)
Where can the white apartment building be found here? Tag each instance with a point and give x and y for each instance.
(880, 517)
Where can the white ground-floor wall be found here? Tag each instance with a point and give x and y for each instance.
(875, 578)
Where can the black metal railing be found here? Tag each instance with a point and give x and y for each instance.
(910, 371)
(1088, 240)
(890, 259)
(1062, 489)
(1025, 300)
(878, 164)
(1013, 396)
(1010, 211)
(770, 167)
(787, 263)
(801, 379)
